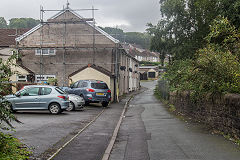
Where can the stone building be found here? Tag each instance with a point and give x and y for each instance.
(69, 47)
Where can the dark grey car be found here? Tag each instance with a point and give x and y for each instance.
(93, 91)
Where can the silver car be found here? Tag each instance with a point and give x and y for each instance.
(39, 97)
(76, 102)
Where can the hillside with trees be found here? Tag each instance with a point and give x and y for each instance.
(142, 39)
(16, 23)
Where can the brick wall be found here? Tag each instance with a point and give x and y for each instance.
(220, 112)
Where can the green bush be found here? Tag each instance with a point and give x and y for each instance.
(178, 75)
(52, 81)
(215, 69)
(12, 149)
(146, 63)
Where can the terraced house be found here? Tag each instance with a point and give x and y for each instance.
(69, 47)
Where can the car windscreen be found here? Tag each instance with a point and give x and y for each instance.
(99, 85)
(59, 90)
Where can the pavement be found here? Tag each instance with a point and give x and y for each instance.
(150, 132)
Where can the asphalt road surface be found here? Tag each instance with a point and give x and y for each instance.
(149, 132)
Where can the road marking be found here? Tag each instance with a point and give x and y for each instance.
(79, 132)
(114, 136)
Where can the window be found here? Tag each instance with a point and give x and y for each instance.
(43, 78)
(52, 51)
(38, 51)
(45, 51)
(59, 90)
(30, 92)
(21, 78)
(75, 85)
(84, 84)
(99, 85)
(79, 84)
(46, 91)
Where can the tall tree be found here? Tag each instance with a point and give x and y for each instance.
(3, 23)
(185, 23)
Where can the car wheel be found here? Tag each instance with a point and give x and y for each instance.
(86, 103)
(71, 106)
(54, 108)
(105, 104)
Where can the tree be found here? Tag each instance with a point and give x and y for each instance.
(160, 42)
(16, 23)
(3, 23)
(216, 67)
(185, 23)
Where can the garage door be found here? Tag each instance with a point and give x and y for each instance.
(151, 74)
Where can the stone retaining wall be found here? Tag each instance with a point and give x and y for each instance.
(221, 113)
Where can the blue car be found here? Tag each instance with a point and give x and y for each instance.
(39, 97)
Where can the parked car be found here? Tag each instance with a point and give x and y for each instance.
(93, 91)
(39, 97)
(76, 102)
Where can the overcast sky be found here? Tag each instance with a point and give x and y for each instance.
(129, 15)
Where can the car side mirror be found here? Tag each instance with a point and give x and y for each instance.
(18, 94)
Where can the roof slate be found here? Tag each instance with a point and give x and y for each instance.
(7, 36)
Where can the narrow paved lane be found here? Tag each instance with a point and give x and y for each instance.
(148, 131)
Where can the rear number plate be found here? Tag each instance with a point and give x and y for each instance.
(100, 94)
